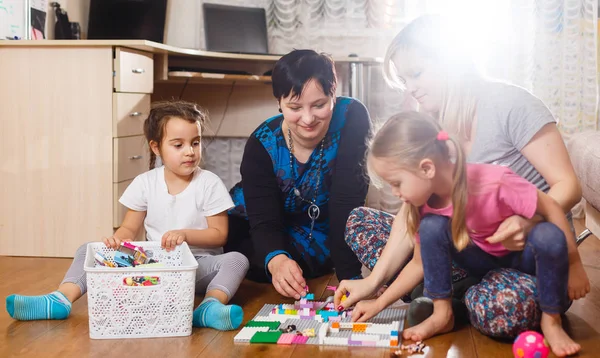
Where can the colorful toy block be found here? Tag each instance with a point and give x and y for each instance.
(300, 340)
(266, 337)
(270, 325)
(246, 333)
(310, 296)
(339, 330)
(286, 338)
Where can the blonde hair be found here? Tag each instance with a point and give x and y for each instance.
(432, 37)
(406, 139)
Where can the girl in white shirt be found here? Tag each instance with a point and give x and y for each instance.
(177, 202)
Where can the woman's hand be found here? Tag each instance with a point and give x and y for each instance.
(579, 284)
(365, 310)
(355, 290)
(513, 231)
(287, 277)
(113, 242)
(172, 238)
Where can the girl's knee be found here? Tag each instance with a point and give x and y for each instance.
(433, 228)
(238, 260)
(82, 250)
(548, 239)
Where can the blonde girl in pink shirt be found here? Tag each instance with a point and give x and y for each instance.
(453, 211)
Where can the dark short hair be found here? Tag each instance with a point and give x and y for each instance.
(294, 70)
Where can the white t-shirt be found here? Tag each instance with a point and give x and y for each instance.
(206, 195)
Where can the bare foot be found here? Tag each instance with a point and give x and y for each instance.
(441, 321)
(560, 343)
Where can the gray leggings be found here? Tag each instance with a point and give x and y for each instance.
(222, 272)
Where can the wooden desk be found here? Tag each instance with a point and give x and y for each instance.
(71, 115)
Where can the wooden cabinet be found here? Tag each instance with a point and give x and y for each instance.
(71, 121)
(71, 127)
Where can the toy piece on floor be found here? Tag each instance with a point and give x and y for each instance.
(417, 347)
(530, 344)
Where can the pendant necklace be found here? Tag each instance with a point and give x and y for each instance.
(313, 209)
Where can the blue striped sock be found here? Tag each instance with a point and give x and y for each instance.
(28, 308)
(212, 313)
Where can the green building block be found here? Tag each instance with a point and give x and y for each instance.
(271, 325)
(266, 337)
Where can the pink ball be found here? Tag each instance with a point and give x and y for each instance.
(530, 344)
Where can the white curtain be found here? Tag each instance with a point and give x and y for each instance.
(546, 46)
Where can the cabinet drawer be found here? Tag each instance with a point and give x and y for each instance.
(134, 71)
(118, 209)
(130, 158)
(130, 110)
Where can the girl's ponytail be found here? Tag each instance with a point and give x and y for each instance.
(460, 236)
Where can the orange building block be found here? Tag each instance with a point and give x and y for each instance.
(394, 343)
(359, 327)
(335, 324)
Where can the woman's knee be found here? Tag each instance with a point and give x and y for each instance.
(548, 239)
(433, 228)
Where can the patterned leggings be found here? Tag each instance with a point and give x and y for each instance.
(367, 231)
(502, 305)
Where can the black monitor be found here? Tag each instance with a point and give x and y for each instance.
(127, 19)
(235, 29)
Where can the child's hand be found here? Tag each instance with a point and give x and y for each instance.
(113, 242)
(365, 310)
(172, 238)
(579, 284)
(355, 290)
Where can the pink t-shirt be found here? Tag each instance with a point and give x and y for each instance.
(495, 193)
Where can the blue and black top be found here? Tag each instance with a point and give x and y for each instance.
(278, 219)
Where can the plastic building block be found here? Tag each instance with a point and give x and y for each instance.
(246, 333)
(271, 325)
(359, 327)
(310, 296)
(286, 338)
(300, 340)
(377, 332)
(266, 337)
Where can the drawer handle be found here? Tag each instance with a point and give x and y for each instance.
(135, 114)
(135, 157)
(138, 70)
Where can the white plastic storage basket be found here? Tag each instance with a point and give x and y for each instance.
(120, 311)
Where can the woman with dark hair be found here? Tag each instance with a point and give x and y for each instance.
(302, 174)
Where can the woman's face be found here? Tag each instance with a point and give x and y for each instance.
(309, 115)
(423, 80)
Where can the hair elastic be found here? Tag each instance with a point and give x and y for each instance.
(442, 136)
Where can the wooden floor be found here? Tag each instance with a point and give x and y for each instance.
(70, 338)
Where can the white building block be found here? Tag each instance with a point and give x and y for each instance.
(247, 332)
(364, 337)
(383, 343)
(335, 341)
